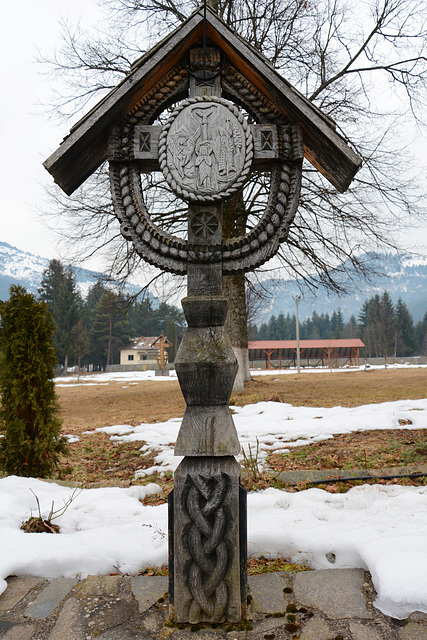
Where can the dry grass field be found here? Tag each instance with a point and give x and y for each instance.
(88, 406)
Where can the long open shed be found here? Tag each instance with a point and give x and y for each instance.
(280, 354)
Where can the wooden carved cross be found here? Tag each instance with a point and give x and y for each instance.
(206, 151)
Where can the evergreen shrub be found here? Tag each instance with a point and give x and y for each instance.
(29, 421)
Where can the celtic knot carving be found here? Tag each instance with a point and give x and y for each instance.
(205, 539)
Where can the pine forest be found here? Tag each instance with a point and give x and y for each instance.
(92, 331)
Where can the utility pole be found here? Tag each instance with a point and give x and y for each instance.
(297, 330)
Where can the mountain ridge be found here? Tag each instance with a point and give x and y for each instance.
(26, 269)
(401, 276)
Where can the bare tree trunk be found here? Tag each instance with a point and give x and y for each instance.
(233, 287)
(236, 325)
(109, 341)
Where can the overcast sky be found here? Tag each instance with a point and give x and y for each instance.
(28, 137)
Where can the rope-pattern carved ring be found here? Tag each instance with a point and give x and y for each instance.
(238, 255)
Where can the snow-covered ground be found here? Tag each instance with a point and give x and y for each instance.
(275, 426)
(382, 529)
(141, 376)
(379, 528)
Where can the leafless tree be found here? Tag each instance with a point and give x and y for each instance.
(364, 68)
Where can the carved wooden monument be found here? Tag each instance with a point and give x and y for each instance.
(206, 150)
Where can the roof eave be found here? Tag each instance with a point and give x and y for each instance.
(85, 148)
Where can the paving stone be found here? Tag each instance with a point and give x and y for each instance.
(148, 590)
(418, 616)
(267, 625)
(50, 598)
(267, 593)
(18, 632)
(71, 623)
(5, 626)
(413, 631)
(154, 619)
(338, 594)
(316, 629)
(123, 634)
(16, 589)
(364, 631)
(100, 586)
(106, 614)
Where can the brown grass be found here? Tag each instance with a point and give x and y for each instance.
(88, 407)
(346, 389)
(97, 459)
(361, 450)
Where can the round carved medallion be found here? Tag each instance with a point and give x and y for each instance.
(206, 149)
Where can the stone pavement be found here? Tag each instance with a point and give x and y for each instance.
(310, 605)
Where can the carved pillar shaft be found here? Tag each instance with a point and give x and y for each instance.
(208, 535)
(206, 529)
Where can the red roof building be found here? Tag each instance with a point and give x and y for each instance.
(280, 354)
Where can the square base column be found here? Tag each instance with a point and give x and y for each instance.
(206, 541)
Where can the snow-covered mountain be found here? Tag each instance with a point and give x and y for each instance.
(26, 269)
(402, 276)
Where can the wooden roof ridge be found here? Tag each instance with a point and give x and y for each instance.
(135, 66)
(306, 344)
(142, 342)
(86, 146)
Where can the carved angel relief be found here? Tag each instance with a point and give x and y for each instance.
(206, 149)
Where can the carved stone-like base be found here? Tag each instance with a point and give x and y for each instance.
(207, 429)
(207, 583)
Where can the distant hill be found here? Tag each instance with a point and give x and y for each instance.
(26, 269)
(404, 277)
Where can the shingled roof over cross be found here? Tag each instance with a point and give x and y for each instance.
(86, 146)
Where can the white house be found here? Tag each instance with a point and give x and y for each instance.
(144, 351)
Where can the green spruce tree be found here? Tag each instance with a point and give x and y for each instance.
(59, 290)
(421, 335)
(28, 414)
(406, 343)
(109, 330)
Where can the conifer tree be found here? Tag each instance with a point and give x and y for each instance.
(79, 343)
(421, 335)
(109, 331)
(29, 414)
(59, 290)
(406, 343)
